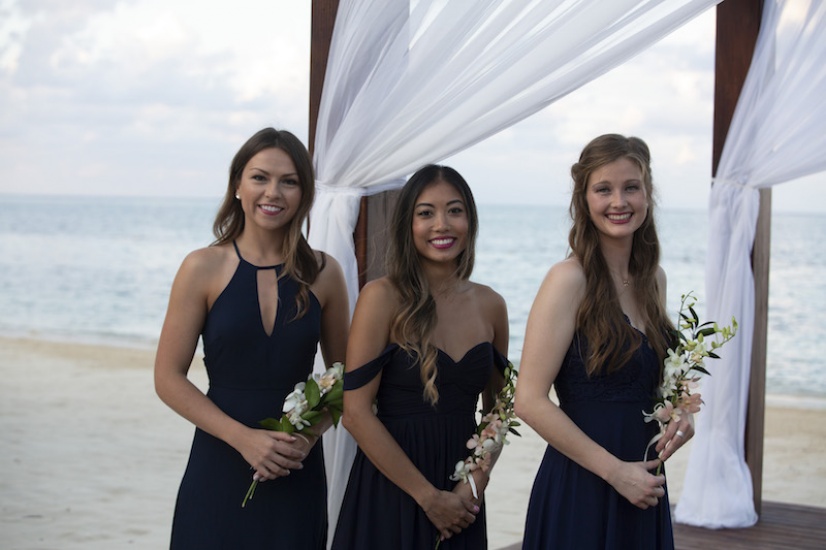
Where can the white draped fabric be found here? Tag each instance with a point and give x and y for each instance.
(412, 82)
(777, 134)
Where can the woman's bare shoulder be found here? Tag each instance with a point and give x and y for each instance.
(487, 295)
(567, 273)
(381, 290)
(207, 270)
(330, 272)
(208, 259)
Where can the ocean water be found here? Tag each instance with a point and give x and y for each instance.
(99, 270)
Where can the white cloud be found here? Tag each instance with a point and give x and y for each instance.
(12, 26)
(154, 97)
(135, 36)
(144, 97)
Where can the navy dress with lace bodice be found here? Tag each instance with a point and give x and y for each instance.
(250, 373)
(572, 508)
(375, 513)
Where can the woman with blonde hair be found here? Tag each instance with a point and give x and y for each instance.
(598, 332)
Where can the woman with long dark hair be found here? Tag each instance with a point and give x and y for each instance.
(598, 332)
(262, 300)
(425, 343)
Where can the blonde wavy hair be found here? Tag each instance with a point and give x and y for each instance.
(600, 318)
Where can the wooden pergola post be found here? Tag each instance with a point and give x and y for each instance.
(375, 210)
(322, 24)
(738, 25)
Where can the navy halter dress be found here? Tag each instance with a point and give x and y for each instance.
(250, 374)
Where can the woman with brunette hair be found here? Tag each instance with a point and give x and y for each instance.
(598, 332)
(262, 300)
(425, 343)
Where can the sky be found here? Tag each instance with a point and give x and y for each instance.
(153, 98)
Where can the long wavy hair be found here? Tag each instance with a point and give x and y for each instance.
(299, 259)
(600, 318)
(416, 318)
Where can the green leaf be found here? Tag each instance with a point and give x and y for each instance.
(312, 393)
(695, 317)
(713, 355)
(271, 424)
(701, 369)
(514, 432)
(336, 394)
(707, 331)
(312, 417)
(336, 406)
(335, 414)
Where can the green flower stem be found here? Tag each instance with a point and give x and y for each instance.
(250, 492)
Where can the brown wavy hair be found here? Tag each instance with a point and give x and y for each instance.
(611, 339)
(299, 259)
(416, 318)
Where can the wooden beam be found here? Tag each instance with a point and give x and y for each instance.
(360, 240)
(380, 209)
(738, 25)
(323, 22)
(755, 416)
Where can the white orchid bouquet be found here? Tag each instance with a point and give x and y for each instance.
(305, 406)
(685, 365)
(491, 434)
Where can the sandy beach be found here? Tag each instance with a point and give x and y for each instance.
(91, 458)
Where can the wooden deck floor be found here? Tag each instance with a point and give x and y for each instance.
(781, 526)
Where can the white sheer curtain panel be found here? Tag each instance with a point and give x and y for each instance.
(776, 135)
(412, 82)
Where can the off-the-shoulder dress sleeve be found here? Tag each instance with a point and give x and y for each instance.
(357, 378)
(500, 361)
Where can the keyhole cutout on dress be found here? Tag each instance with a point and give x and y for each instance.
(267, 280)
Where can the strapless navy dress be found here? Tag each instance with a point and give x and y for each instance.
(375, 513)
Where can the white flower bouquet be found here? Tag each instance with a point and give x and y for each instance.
(685, 365)
(305, 406)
